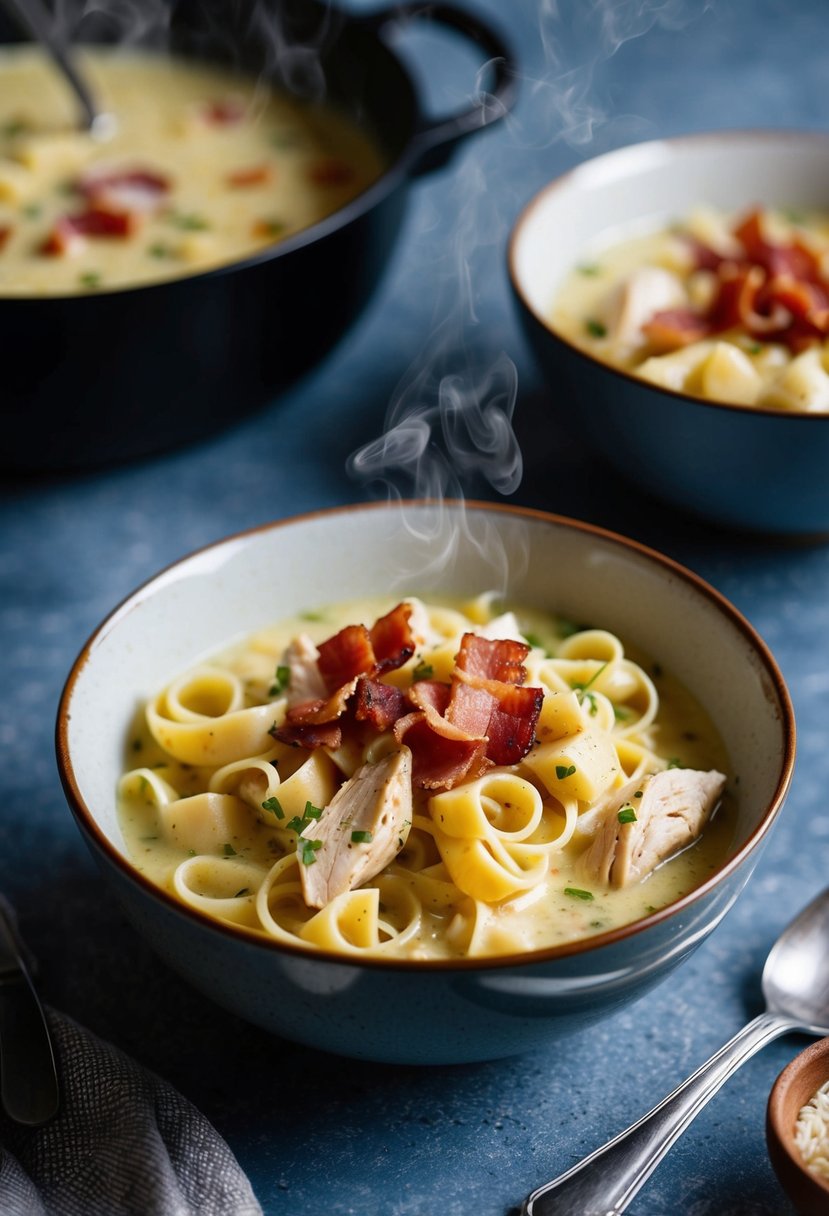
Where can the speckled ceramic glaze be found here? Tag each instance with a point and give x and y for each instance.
(758, 469)
(433, 1012)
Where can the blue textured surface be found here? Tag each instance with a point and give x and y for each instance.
(323, 1135)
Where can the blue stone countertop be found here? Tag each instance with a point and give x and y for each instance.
(316, 1134)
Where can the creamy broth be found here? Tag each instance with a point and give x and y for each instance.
(204, 167)
(239, 860)
(731, 308)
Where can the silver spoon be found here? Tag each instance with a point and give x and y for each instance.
(796, 991)
(35, 19)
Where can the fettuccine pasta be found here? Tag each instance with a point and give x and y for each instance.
(373, 816)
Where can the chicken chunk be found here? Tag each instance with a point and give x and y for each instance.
(305, 682)
(648, 821)
(644, 292)
(361, 830)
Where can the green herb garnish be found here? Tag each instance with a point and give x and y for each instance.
(423, 671)
(273, 804)
(312, 616)
(627, 814)
(229, 850)
(307, 850)
(595, 328)
(90, 278)
(310, 813)
(638, 794)
(675, 762)
(190, 221)
(282, 678)
(361, 837)
(592, 703)
(577, 893)
(590, 269)
(32, 211)
(564, 770)
(15, 127)
(159, 250)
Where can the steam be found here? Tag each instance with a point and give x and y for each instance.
(448, 427)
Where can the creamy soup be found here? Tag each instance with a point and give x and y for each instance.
(202, 167)
(729, 308)
(426, 781)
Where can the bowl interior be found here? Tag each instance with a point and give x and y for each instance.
(644, 186)
(224, 592)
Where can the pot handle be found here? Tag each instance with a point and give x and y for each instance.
(435, 140)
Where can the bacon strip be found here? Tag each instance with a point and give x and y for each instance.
(493, 660)
(391, 638)
(440, 762)
(380, 704)
(310, 736)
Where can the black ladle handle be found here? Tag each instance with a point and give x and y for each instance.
(35, 19)
(435, 140)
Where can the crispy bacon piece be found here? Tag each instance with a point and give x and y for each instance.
(672, 328)
(391, 638)
(125, 190)
(430, 695)
(327, 710)
(5, 233)
(492, 660)
(310, 735)
(440, 761)
(224, 111)
(512, 722)
(345, 656)
(378, 703)
(254, 175)
(64, 239)
(330, 172)
(705, 258)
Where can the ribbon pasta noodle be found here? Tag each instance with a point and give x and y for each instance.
(384, 817)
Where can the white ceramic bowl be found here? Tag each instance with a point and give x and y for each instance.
(441, 1011)
(758, 469)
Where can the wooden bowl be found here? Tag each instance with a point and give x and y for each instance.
(797, 1083)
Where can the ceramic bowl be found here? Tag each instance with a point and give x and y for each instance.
(796, 1085)
(757, 469)
(441, 1011)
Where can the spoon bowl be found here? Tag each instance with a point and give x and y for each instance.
(796, 991)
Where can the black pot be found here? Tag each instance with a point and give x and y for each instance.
(101, 377)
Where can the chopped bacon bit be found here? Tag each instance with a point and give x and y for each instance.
(493, 660)
(256, 175)
(64, 239)
(225, 112)
(310, 735)
(439, 762)
(391, 638)
(5, 232)
(346, 655)
(773, 292)
(317, 712)
(672, 328)
(378, 703)
(141, 190)
(512, 724)
(330, 172)
(430, 695)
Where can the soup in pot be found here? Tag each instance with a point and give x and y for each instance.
(202, 167)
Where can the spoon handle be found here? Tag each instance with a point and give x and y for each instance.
(37, 21)
(604, 1183)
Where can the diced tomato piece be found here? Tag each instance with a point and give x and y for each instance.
(256, 175)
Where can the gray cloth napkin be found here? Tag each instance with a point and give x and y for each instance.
(125, 1143)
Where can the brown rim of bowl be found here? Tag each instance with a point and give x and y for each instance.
(632, 151)
(87, 823)
(812, 1060)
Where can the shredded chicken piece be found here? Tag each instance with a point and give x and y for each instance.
(361, 830)
(648, 821)
(305, 683)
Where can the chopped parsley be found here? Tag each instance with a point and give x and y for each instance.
(281, 680)
(627, 814)
(638, 794)
(90, 278)
(229, 850)
(675, 762)
(423, 671)
(270, 227)
(534, 641)
(307, 850)
(595, 328)
(312, 616)
(159, 250)
(361, 837)
(592, 703)
(621, 712)
(273, 804)
(32, 211)
(590, 269)
(564, 770)
(566, 627)
(15, 127)
(310, 813)
(578, 893)
(189, 221)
